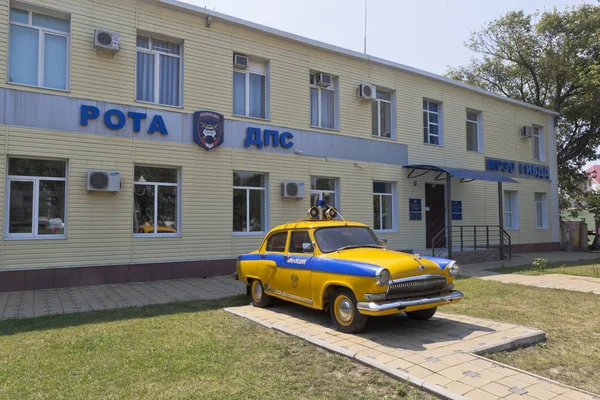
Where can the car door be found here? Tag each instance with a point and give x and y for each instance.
(272, 258)
(294, 275)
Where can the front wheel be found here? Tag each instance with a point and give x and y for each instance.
(258, 295)
(344, 313)
(422, 315)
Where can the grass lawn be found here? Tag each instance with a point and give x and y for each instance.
(589, 268)
(571, 321)
(176, 351)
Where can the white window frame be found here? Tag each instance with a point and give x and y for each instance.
(514, 210)
(333, 88)
(440, 123)
(542, 203)
(265, 208)
(538, 133)
(157, 55)
(479, 123)
(392, 103)
(320, 192)
(393, 197)
(255, 68)
(41, 45)
(34, 235)
(156, 186)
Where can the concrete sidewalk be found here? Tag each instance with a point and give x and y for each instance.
(36, 303)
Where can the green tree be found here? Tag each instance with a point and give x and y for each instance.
(552, 60)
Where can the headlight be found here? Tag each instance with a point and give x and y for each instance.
(382, 276)
(453, 268)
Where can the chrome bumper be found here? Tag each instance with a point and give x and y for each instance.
(454, 295)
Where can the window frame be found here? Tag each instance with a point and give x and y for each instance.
(157, 54)
(541, 147)
(289, 242)
(392, 103)
(320, 192)
(265, 207)
(41, 43)
(285, 244)
(332, 88)
(34, 235)
(156, 185)
(543, 203)
(440, 123)
(479, 129)
(514, 211)
(393, 197)
(253, 68)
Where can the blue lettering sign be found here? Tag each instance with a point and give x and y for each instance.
(115, 119)
(414, 210)
(456, 210)
(269, 138)
(537, 171)
(507, 166)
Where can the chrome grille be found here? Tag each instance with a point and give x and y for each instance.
(417, 285)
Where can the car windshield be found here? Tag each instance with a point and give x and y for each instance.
(340, 237)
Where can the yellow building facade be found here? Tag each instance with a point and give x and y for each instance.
(193, 193)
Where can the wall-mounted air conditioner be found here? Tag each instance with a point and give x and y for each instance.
(367, 92)
(323, 79)
(527, 131)
(103, 181)
(240, 61)
(292, 190)
(107, 40)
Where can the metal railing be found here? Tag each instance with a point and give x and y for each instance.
(473, 238)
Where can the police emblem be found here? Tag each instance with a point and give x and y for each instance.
(208, 129)
(294, 281)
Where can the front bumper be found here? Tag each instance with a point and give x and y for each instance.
(399, 305)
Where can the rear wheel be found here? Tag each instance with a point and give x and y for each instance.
(258, 295)
(422, 315)
(344, 313)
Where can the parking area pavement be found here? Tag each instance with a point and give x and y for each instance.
(439, 356)
(584, 284)
(35, 303)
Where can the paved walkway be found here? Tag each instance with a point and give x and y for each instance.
(554, 281)
(436, 355)
(35, 303)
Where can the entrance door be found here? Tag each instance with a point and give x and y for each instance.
(435, 212)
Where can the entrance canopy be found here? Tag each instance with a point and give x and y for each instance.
(465, 175)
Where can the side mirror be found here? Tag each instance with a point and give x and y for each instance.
(307, 247)
(383, 241)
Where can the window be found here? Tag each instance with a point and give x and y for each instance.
(511, 210)
(539, 150)
(322, 104)
(276, 242)
(383, 206)
(250, 90)
(39, 49)
(382, 114)
(331, 239)
(541, 212)
(474, 131)
(323, 189)
(297, 239)
(249, 208)
(36, 198)
(158, 71)
(156, 201)
(431, 122)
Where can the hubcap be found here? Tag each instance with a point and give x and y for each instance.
(344, 310)
(257, 291)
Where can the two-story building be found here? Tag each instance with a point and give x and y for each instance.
(152, 139)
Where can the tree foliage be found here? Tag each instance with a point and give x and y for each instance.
(552, 60)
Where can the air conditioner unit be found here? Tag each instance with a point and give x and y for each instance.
(240, 61)
(292, 190)
(527, 131)
(323, 80)
(107, 40)
(103, 181)
(367, 92)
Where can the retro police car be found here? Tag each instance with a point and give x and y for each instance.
(340, 266)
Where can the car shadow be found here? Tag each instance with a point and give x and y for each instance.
(394, 331)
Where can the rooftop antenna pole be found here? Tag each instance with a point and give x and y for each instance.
(365, 26)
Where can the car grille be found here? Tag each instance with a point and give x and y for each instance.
(412, 286)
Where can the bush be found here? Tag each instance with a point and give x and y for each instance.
(540, 264)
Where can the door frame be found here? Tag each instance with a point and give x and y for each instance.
(429, 245)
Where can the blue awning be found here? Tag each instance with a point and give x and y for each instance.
(466, 175)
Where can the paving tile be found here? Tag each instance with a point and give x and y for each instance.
(496, 389)
(481, 395)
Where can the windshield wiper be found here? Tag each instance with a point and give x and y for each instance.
(356, 246)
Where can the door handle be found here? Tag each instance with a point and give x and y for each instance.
(263, 256)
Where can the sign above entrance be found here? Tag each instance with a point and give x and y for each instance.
(208, 129)
(115, 119)
(519, 169)
(268, 138)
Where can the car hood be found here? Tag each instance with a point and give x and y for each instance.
(400, 265)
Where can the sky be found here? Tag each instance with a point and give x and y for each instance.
(429, 35)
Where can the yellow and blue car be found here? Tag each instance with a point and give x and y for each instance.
(331, 264)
